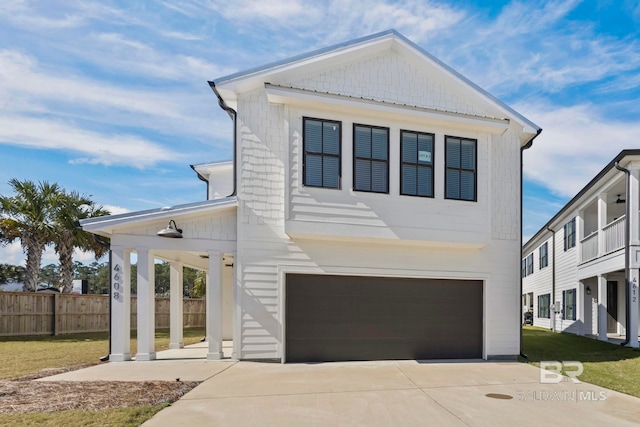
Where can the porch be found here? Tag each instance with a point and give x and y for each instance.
(206, 241)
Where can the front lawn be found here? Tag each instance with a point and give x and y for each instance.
(605, 364)
(29, 356)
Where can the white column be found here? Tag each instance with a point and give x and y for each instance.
(146, 306)
(120, 305)
(602, 221)
(176, 306)
(580, 234)
(602, 308)
(634, 205)
(580, 296)
(214, 306)
(634, 279)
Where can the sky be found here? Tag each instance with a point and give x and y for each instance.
(110, 98)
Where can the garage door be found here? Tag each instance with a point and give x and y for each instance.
(336, 318)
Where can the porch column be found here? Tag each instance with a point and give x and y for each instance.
(602, 308)
(120, 305)
(602, 221)
(579, 234)
(175, 305)
(214, 306)
(634, 279)
(580, 293)
(634, 205)
(146, 306)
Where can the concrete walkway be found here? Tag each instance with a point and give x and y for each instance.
(388, 393)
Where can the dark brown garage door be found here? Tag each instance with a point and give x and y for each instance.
(333, 318)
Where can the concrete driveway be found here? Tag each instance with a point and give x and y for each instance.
(402, 393)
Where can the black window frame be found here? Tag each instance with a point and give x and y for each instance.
(370, 159)
(544, 312)
(461, 169)
(530, 264)
(523, 268)
(570, 234)
(543, 256)
(417, 164)
(322, 154)
(566, 308)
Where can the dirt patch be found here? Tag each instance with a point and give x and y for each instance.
(22, 394)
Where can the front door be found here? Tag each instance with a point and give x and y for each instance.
(612, 306)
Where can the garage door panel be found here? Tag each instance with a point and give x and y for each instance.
(369, 318)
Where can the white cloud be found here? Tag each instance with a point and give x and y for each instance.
(116, 210)
(576, 143)
(94, 148)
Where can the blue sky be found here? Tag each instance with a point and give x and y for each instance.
(110, 98)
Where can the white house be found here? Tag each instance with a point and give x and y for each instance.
(573, 268)
(374, 213)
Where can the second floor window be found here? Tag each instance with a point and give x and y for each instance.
(416, 159)
(544, 256)
(530, 264)
(460, 162)
(570, 234)
(370, 159)
(321, 146)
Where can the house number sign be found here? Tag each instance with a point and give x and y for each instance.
(634, 289)
(117, 282)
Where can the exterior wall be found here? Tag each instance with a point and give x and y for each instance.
(539, 281)
(220, 226)
(485, 234)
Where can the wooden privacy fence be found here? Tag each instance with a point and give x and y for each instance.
(26, 313)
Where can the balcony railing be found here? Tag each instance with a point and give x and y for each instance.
(589, 247)
(614, 235)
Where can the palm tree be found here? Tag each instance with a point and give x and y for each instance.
(27, 216)
(71, 207)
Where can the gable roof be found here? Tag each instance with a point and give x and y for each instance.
(227, 86)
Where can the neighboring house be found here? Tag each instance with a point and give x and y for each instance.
(374, 214)
(573, 268)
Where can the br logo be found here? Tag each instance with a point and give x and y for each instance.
(551, 371)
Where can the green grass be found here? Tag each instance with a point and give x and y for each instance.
(605, 364)
(108, 417)
(26, 355)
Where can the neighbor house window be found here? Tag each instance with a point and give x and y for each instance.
(523, 268)
(569, 304)
(543, 306)
(570, 234)
(460, 162)
(530, 264)
(371, 159)
(416, 164)
(544, 256)
(321, 146)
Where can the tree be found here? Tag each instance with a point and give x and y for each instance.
(68, 209)
(199, 285)
(50, 275)
(11, 273)
(27, 216)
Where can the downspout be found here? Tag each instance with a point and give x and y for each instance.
(234, 116)
(627, 302)
(553, 275)
(524, 147)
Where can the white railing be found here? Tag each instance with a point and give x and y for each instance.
(589, 247)
(614, 235)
